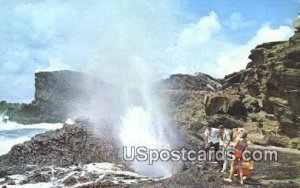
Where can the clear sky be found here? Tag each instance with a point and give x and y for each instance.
(108, 38)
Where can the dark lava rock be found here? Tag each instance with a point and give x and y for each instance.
(80, 143)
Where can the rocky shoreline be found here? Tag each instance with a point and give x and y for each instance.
(87, 175)
(74, 156)
(263, 99)
(78, 143)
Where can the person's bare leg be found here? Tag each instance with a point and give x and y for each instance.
(224, 165)
(232, 168)
(231, 172)
(241, 172)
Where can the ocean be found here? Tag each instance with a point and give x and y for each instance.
(12, 133)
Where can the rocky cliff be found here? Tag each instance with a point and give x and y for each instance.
(56, 95)
(264, 98)
(269, 88)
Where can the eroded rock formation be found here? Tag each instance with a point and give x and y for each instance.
(57, 94)
(264, 98)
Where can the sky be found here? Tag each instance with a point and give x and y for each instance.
(109, 38)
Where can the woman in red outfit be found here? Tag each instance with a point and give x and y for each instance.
(240, 146)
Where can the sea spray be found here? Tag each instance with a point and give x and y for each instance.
(141, 129)
(130, 111)
(145, 122)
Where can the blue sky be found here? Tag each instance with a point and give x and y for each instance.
(114, 39)
(260, 12)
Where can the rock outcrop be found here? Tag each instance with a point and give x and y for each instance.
(55, 94)
(218, 104)
(197, 82)
(264, 98)
(80, 143)
(269, 88)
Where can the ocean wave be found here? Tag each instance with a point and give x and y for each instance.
(14, 126)
(7, 143)
(12, 133)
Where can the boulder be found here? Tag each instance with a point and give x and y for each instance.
(224, 104)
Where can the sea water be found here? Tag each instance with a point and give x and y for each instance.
(12, 133)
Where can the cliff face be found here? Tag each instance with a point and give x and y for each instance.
(270, 89)
(58, 87)
(56, 93)
(264, 98)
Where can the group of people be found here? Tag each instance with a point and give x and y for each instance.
(214, 136)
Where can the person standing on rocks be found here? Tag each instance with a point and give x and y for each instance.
(211, 139)
(240, 146)
(225, 141)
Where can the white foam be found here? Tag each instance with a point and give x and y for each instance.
(13, 126)
(108, 168)
(100, 169)
(7, 142)
(32, 185)
(2, 180)
(69, 121)
(18, 178)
